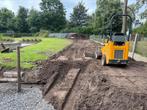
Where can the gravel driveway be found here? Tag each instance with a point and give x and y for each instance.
(29, 99)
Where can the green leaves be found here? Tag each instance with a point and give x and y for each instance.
(6, 18)
(34, 21)
(105, 9)
(21, 20)
(137, 6)
(52, 15)
(142, 29)
(144, 14)
(79, 16)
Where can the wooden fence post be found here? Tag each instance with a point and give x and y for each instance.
(134, 46)
(18, 69)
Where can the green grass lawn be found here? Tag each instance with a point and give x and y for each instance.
(141, 48)
(33, 53)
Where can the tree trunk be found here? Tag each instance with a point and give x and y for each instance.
(124, 25)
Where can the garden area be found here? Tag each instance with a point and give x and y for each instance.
(39, 49)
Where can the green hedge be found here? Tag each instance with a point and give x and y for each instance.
(18, 34)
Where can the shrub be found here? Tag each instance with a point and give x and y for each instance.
(42, 33)
(7, 39)
(18, 34)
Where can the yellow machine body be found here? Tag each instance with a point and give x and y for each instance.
(116, 49)
(115, 54)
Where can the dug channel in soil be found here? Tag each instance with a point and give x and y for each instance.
(95, 87)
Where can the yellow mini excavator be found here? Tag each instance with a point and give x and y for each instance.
(116, 48)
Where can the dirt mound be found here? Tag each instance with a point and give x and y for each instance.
(61, 67)
(96, 87)
(51, 67)
(75, 59)
(53, 72)
(101, 95)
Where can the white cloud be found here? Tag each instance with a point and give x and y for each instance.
(69, 4)
(14, 4)
(8, 4)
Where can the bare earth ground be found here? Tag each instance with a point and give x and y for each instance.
(76, 81)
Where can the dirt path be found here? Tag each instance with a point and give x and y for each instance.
(76, 81)
(133, 77)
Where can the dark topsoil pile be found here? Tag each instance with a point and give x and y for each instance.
(99, 93)
(61, 67)
(105, 96)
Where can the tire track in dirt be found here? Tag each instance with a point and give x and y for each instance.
(72, 59)
(93, 87)
(132, 77)
(116, 88)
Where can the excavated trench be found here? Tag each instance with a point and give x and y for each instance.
(74, 80)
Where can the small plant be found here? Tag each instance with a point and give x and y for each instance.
(36, 40)
(42, 33)
(0, 37)
(7, 40)
(39, 40)
(27, 40)
(23, 40)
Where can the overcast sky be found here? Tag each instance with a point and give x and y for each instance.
(68, 4)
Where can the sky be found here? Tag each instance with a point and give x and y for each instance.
(68, 4)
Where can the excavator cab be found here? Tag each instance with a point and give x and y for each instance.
(116, 49)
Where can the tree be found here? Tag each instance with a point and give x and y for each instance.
(21, 20)
(53, 15)
(34, 21)
(6, 20)
(124, 25)
(105, 10)
(12, 24)
(142, 3)
(79, 16)
(144, 14)
(142, 29)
